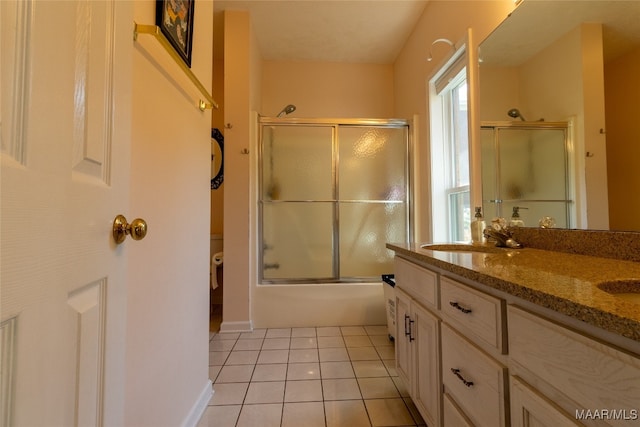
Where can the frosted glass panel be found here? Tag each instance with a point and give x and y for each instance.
(537, 210)
(297, 163)
(297, 240)
(365, 228)
(331, 196)
(525, 168)
(532, 164)
(489, 177)
(372, 163)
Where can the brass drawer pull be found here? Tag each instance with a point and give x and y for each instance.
(456, 372)
(459, 307)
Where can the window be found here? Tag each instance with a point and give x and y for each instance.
(450, 177)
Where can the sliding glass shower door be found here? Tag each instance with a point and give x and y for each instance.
(526, 165)
(331, 196)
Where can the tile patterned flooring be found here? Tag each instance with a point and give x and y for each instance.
(306, 377)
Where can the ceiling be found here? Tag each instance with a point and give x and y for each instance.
(374, 31)
(536, 24)
(359, 31)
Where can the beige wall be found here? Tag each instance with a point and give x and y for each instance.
(499, 92)
(441, 19)
(328, 89)
(168, 308)
(239, 54)
(623, 134)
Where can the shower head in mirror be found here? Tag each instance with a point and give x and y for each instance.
(287, 110)
(515, 113)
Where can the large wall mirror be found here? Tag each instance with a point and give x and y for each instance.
(575, 64)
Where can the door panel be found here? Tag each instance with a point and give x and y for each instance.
(64, 174)
(403, 344)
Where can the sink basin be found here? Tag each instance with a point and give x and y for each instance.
(462, 247)
(628, 290)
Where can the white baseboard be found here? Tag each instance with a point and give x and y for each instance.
(199, 406)
(244, 326)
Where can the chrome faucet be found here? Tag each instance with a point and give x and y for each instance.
(502, 235)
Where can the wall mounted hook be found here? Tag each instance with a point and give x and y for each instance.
(244, 151)
(436, 41)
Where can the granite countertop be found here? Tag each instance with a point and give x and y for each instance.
(564, 282)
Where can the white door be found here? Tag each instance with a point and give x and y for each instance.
(65, 129)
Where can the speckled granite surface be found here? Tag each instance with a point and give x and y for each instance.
(622, 245)
(561, 281)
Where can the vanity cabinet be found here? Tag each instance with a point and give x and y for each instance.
(471, 356)
(530, 408)
(565, 375)
(477, 315)
(418, 338)
(452, 415)
(473, 326)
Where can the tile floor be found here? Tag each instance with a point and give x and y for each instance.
(307, 377)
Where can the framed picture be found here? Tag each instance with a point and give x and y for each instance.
(175, 19)
(217, 158)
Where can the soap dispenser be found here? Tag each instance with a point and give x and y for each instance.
(477, 227)
(516, 221)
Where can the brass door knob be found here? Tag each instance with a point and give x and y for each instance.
(137, 229)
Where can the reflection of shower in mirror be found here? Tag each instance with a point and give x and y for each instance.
(287, 110)
(515, 113)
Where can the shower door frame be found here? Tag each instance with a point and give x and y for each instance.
(334, 124)
(569, 199)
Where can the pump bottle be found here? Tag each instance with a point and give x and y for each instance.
(477, 227)
(516, 221)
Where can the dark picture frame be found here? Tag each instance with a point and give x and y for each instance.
(175, 19)
(217, 180)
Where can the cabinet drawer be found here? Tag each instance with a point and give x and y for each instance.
(476, 314)
(420, 283)
(590, 374)
(475, 380)
(452, 415)
(530, 408)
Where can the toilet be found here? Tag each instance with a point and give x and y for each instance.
(216, 252)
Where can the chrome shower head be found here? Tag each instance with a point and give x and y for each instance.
(287, 110)
(515, 113)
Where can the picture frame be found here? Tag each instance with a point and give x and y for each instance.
(217, 158)
(175, 19)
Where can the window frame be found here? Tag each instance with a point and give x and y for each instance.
(451, 75)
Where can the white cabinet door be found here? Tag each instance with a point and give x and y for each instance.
(418, 355)
(427, 388)
(403, 339)
(65, 144)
